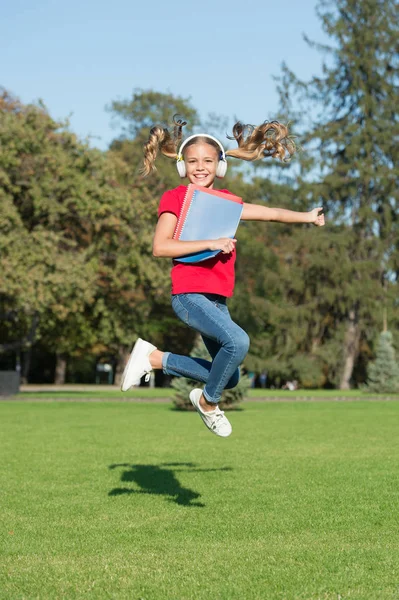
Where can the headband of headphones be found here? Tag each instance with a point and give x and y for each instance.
(205, 135)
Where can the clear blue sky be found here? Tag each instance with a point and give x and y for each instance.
(79, 56)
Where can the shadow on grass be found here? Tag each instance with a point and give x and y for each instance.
(161, 480)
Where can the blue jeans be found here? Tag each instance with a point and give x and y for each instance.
(226, 342)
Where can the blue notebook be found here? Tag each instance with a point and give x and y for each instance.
(207, 215)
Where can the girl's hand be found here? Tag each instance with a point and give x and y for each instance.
(316, 218)
(226, 245)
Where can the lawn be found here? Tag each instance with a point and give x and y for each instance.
(113, 393)
(139, 501)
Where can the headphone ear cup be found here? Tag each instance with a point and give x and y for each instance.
(221, 168)
(181, 168)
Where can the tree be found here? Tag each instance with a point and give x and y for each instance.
(147, 108)
(350, 165)
(75, 239)
(43, 278)
(383, 373)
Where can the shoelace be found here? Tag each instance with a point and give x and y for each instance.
(218, 414)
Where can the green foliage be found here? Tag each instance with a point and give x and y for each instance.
(44, 272)
(308, 371)
(383, 372)
(230, 398)
(335, 281)
(148, 107)
(76, 238)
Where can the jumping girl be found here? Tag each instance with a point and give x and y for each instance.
(200, 291)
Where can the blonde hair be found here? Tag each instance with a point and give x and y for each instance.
(271, 138)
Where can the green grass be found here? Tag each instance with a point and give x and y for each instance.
(137, 501)
(104, 393)
(355, 393)
(146, 392)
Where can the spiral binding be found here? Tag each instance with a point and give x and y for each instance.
(179, 221)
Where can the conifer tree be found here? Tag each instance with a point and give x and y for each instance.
(383, 373)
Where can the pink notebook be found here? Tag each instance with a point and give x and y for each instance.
(207, 215)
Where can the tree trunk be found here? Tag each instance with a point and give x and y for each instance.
(26, 359)
(28, 343)
(351, 349)
(123, 356)
(60, 369)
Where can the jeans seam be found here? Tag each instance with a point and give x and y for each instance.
(184, 373)
(232, 356)
(184, 308)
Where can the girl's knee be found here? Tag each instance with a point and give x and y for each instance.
(243, 344)
(237, 345)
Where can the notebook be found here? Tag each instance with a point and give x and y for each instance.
(206, 215)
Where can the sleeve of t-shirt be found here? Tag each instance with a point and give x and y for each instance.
(169, 203)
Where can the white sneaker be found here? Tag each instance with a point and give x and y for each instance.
(137, 365)
(215, 419)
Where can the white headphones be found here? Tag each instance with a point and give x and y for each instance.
(222, 164)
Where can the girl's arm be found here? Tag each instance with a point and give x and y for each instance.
(165, 245)
(256, 212)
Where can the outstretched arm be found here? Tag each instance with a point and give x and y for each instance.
(257, 212)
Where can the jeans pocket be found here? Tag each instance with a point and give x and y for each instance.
(179, 309)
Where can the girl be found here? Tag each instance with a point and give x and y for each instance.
(200, 291)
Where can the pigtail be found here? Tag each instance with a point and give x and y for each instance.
(178, 130)
(160, 140)
(268, 139)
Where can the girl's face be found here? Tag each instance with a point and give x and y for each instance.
(201, 162)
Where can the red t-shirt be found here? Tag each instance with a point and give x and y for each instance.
(212, 276)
